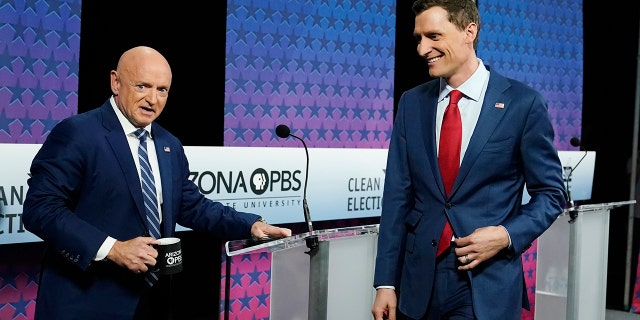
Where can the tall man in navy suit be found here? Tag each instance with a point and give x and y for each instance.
(85, 201)
(506, 144)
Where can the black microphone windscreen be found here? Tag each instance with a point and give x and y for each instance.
(575, 142)
(283, 131)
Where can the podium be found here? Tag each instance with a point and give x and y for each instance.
(334, 280)
(571, 271)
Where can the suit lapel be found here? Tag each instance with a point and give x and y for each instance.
(116, 138)
(429, 110)
(489, 118)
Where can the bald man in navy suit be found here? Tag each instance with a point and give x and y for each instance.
(85, 201)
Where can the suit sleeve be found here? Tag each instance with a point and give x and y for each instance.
(398, 197)
(200, 213)
(54, 189)
(543, 179)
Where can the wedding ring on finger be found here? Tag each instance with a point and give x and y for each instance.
(466, 257)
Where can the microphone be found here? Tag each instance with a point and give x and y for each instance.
(575, 141)
(283, 131)
(573, 213)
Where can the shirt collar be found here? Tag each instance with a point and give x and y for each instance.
(124, 122)
(472, 88)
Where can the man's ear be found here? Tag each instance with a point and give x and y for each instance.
(115, 82)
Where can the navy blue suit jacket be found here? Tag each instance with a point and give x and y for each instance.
(510, 146)
(85, 187)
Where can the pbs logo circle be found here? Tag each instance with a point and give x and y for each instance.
(259, 181)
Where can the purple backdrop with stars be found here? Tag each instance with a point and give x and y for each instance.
(39, 54)
(324, 68)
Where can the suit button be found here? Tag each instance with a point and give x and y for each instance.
(449, 205)
(434, 243)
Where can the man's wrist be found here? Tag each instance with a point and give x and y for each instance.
(508, 235)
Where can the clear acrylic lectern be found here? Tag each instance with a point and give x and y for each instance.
(332, 281)
(571, 271)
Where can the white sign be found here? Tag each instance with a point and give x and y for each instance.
(270, 181)
(342, 183)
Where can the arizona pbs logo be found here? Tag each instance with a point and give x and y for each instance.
(239, 183)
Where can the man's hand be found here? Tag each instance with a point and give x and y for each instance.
(137, 254)
(262, 230)
(384, 307)
(480, 245)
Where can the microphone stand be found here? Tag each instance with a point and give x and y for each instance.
(312, 240)
(573, 212)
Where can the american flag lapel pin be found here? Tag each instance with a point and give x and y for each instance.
(499, 105)
(167, 149)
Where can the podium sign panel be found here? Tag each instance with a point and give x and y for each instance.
(571, 272)
(332, 281)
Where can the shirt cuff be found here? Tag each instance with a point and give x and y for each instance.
(385, 287)
(104, 249)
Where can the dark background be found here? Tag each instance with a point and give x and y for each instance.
(608, 114)
(193, 40)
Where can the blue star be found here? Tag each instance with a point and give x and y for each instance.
(255, 276)
(48, 123)
(28, 62)
(4, 122)
(45, 10)
(376, 134)
(321, 132)
(364, 133)
(19, 31)
(236, 279)
(262, 299)
(383, 113)
(40, 35)
(314, 111)
(530, 274)
(38, 94)
(305, 132)
(76, 7)
(9, 277)
(264, 255)
(26, 124)
(51, 66)
(61, 96)
(245, 301)
(73, 65)
(20, 307)
(5, 60)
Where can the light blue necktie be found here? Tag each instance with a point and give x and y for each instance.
(149, 195)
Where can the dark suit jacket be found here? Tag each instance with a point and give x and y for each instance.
(510, 146)
(85, 187)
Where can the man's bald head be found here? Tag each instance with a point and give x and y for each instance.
(140, 84)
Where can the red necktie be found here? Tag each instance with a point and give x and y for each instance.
(449, 156)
